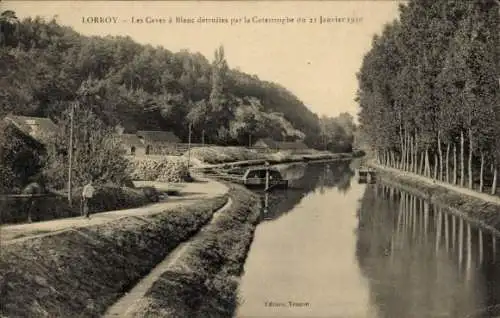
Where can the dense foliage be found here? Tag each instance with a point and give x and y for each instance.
(97, 153)
(21, 159)
(338, 132)
(44, 65)
(429, 91)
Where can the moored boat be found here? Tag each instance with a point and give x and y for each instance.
(256, 178)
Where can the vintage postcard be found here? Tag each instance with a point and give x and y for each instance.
(249, 158)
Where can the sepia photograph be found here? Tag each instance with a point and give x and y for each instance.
(250, 159)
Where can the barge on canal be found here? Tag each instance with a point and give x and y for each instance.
(265, 178)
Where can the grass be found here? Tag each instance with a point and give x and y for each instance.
(206, 283)
(221, 155)
(86, 271)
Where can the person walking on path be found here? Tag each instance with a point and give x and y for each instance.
(87, 194)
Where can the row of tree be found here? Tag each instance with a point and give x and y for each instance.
(429, 91)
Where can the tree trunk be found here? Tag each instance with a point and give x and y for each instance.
(405, 156)
(410, 153)
(420, 170)
(402, 144)
(415, 169)
(481, 171)
(414, 158)
(427, 168)
(470, 158)
(462, 164)
(494, 184)
(454, 164)
(440, 152)
(448, 163)
(435, 166)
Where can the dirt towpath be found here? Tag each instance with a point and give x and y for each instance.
(469, 192)
(191, 193)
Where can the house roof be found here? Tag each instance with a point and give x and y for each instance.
(158, 136)
(39, 128)
(130, 140)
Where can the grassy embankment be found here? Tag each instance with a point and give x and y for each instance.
(85, 271)
(477, 211)
(219, 155)
(204, 280)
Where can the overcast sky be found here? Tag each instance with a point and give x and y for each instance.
(317, 62)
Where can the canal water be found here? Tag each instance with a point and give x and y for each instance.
(332, 247)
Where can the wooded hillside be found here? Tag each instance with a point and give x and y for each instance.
(45, 67)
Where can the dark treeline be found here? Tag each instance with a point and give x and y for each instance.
(429, 92)
(45, 67)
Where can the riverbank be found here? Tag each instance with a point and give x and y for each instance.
(480, 209)
(202, 280)
(317, 158)
(86, 269)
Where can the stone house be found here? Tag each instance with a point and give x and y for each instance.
(158, 142)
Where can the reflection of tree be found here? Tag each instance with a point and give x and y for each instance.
(338, 174)
(407, 275)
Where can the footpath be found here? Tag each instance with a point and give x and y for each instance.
(432, 182)
(191, 193)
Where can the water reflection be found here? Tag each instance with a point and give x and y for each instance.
(423, 261)
(305, 179)
(365, 250)
(306, 254)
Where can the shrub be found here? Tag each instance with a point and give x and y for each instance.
(107, 198)
(165, 169)
(151, 194)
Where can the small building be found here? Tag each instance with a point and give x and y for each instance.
(40, 129)
(132, 144)
(158, 142)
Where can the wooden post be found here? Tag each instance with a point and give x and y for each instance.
(189, 146)
(203, 137)
(266, 203)
(267, 176)
(70, 153)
